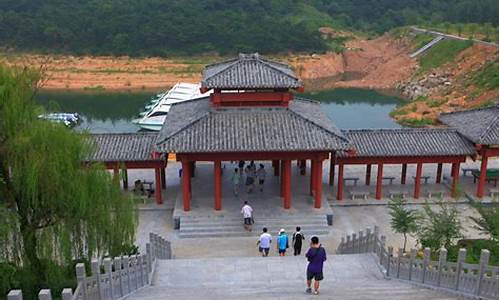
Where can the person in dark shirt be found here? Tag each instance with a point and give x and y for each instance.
(316, 255)
(297, 241)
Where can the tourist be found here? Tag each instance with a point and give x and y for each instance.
(241, 165)
(297, 241)
(250, 179)
(282, 242)
(247, 212)
(316, 255)
(235, 179)
(264, 242)
(261, 175)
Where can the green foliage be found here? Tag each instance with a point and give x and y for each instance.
(435, 103)
(53, 209)
(421, 40)
(486, 32)
(487, 223)
(403, 220)
(486, 78)
(417, 122)
(442, 53)
(161, 28)
(437, 229)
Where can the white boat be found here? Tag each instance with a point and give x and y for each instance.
(68, 119)
(155, 113)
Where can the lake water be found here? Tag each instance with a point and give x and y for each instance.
(113, 112)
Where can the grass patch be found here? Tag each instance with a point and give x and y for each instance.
(398, 112)
(416, 122)
(435, 103)
(485, 78)
(442, 53)
(421, 40)
(96, 88)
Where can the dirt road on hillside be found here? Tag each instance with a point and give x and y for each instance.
(374, 64)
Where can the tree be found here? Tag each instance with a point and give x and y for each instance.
(437, 229)
(53, 208)
(487, 223)
(403, 220)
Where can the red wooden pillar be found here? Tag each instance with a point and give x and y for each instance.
(193, 168)
(217, 185)
(403, 173)
(319, 182)
(313, 175)
(287, 184)
(163, 178)
(340, 183)
(456, 176)
(331, 178)
(302, 167)
(380, 174)
(368, 176)
(439, 173)
(158, 186)
(416, 192)
(276, 167)
(282, 178)
(482, 175)
(452, 170)
(186, 182)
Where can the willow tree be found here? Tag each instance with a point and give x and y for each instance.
(52, 207)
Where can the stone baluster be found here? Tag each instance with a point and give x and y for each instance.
(347, 245)
(15, 295)
(400, 255)
(483, 263)
(44, 295)
(117, 262)
(126, 270)
(413, 254)
(81, 278)
(354, 242)
(369, 241)
(67, 294)
(462, 253)
(341, 245)
(96, 273)
(381, 249)
(360, 246)
(425, 265)
(108, 271)
(443, 254)
(390, 252)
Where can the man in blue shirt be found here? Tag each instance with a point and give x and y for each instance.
(316, 255)
(282, 242)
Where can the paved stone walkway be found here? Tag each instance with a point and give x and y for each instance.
(346, 277)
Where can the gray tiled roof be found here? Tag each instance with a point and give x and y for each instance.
(409, 142)
(194, 127)
(121, 147)
(249, 71)
(478, 125)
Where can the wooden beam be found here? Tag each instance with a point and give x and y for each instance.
(454, 184)
(236, 156)
(313, 174)
(331, 178)
(158, 198)
(359, 160)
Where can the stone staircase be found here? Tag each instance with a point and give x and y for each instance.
(232, 225)
(347, 277)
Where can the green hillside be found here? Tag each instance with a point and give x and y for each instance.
(166, 27)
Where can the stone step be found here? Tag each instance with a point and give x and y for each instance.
(241, 233)
(286, 223)
(271, 227)
(258, 217)
(346, 277)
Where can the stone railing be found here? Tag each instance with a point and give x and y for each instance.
(471, 280)
(122, 275)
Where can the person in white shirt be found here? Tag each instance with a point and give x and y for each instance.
(247, 212)
(264, 242)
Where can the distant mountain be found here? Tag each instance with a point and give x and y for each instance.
(183, 27)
